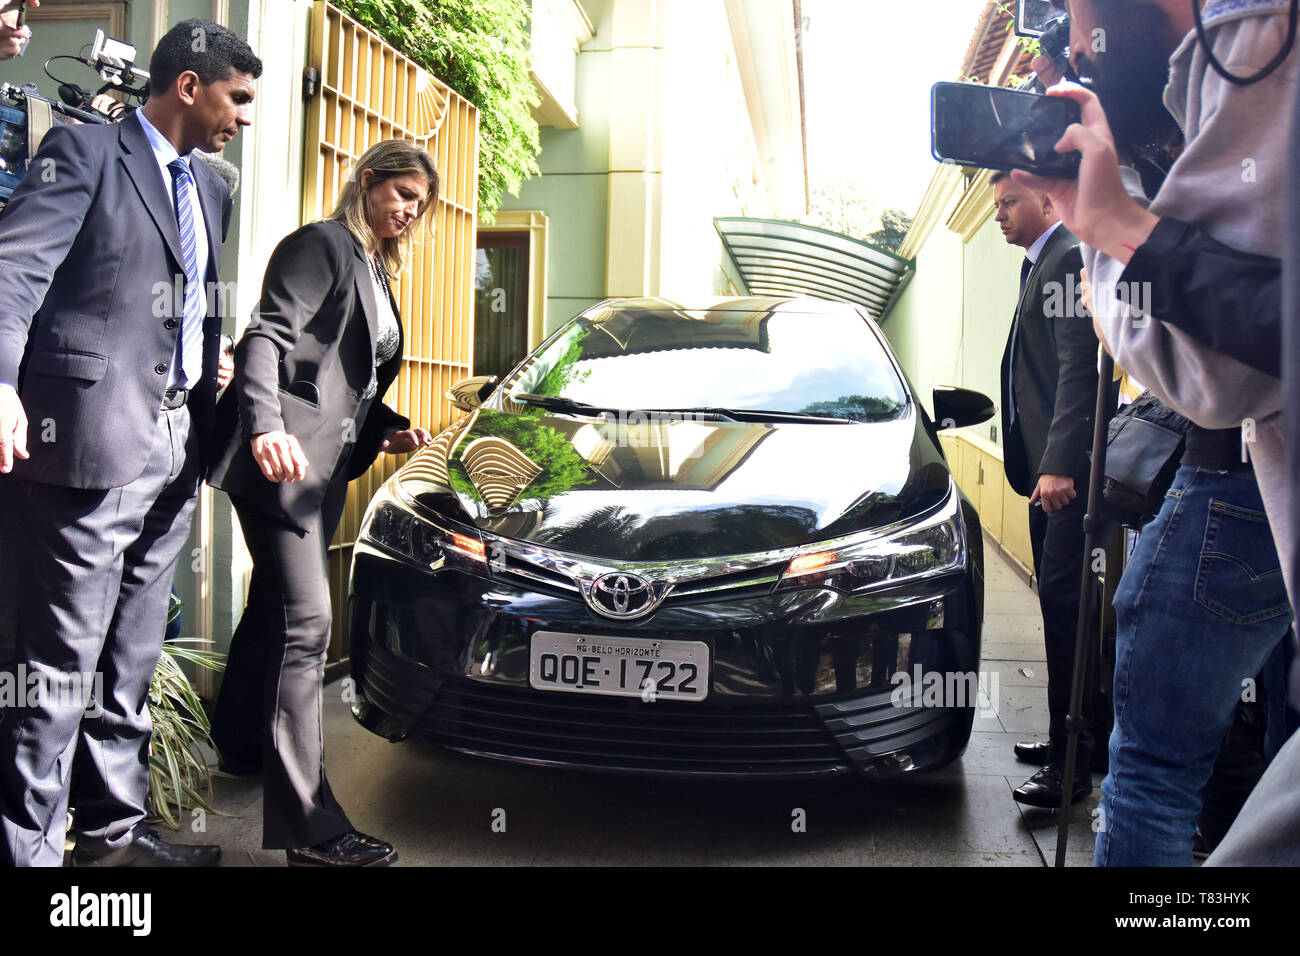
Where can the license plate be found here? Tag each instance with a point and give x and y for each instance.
(619, 666)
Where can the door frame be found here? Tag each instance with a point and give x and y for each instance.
(535, 223)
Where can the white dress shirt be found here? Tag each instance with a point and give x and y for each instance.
(165, 154)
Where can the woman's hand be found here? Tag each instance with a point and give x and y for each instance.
(399, 443)
(1095, 207)
(279, 456)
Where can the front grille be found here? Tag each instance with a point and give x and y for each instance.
(549, 573)
(621, 734)
(536, 577)
(726, 587)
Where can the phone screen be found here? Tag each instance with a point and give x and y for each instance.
(1035, 15)
(995, 128)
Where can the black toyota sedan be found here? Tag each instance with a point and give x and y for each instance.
(714, 541)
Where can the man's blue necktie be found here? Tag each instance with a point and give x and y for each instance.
(192, 323)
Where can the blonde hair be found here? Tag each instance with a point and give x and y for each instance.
(386, 160)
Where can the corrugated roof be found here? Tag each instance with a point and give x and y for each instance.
(789, 258)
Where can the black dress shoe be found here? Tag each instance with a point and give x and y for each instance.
(1043, 789)
(350, 849)
(1037, 752)
(149, 849)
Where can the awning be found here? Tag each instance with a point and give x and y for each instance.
(787, 258)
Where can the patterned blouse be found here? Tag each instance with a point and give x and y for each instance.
(389, 334)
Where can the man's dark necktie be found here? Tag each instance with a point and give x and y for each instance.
(1026, 267)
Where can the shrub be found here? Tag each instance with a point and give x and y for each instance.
(479, 48)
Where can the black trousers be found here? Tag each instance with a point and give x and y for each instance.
(86, 607)
(1057, 540)
(269, 710)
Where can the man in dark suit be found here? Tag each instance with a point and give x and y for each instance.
(109, 343)
(1049, 392)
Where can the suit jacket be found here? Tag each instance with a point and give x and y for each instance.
(91, 258)
(1055, 372)
(301, 367)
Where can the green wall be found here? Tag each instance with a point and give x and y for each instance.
(925, 326)
(950, 326)
(573, 189)
(52, 37)
(992, 282)
(707, 162)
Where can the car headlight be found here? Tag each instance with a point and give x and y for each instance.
(933, 545)
(395, 528)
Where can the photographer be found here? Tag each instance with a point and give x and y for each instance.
(1267, 831)
(1204, 588)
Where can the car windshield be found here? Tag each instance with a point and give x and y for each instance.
(825, 364)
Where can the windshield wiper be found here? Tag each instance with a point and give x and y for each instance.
(569, 406)
(558, 403)
(761, 415)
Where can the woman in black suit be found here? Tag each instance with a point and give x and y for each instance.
(302, 418)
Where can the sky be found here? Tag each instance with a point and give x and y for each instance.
(868, 69)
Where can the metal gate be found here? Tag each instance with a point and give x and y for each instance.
(370, 92)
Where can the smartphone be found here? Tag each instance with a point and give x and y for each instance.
(993, 128)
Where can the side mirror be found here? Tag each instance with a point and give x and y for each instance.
(959, 407)
(469, 393)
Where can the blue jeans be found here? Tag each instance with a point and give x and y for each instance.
(1200, 609)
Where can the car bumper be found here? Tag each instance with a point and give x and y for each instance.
(802, 683)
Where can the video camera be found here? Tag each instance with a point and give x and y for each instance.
(26, 114)
(1049, 24)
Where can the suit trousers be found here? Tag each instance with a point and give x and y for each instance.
(269, 711)
(90, 605)
(1057, 541)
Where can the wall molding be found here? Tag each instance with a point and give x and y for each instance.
(946, 180)
(113, 12)
(536, 224)
(570, 14)
(975, 208)
(158, 25)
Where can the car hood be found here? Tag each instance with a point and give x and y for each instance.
(623, 487)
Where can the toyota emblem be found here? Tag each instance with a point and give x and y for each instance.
(621, 594)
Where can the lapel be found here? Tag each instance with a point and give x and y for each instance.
(210, 202)
(1031, 283)
(366, 288)
(138, 159)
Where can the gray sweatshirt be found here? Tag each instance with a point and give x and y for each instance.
(1230, 181)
